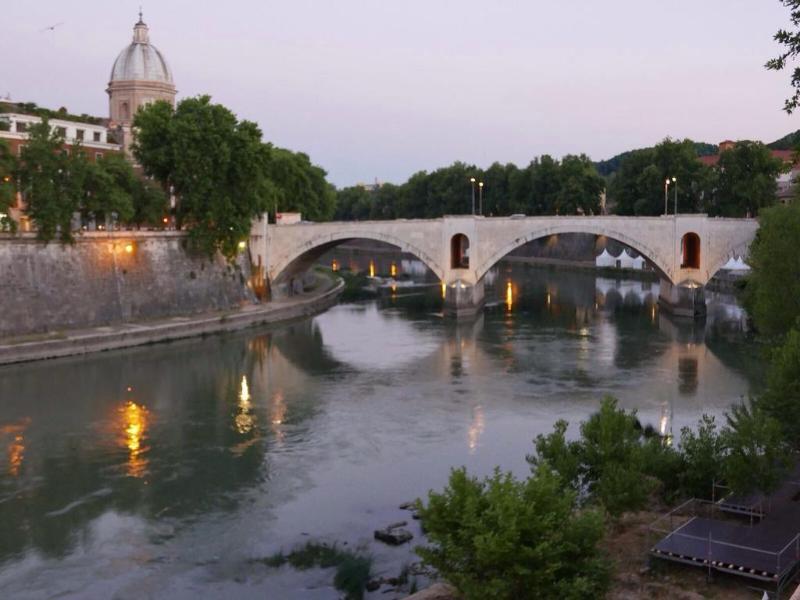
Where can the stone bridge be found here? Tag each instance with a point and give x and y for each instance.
(686, 250)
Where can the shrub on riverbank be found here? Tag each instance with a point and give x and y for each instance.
(508, 539)
(617, 465)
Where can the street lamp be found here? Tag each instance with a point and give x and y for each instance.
(480, 198)
(472, 181)
(666, 186)
(675, 181)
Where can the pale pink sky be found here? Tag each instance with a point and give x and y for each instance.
(383, 89)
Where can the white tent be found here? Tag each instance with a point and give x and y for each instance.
(741, 265)
(626, 261)
(605, 259)
(638, 263)
(736, 264)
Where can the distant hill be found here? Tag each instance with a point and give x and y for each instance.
(609, 166)
(787, 142)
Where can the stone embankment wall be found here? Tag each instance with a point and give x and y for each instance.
(104, 279)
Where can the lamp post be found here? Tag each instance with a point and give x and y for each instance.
(480, 198)
(666, 187)
(675, 181)
(472, 181)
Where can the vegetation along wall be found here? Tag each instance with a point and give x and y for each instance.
(103, 280)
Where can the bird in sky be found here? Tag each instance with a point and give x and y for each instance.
(51, 27)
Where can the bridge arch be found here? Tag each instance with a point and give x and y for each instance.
(300, 257)
(741, 249)
(660, 260)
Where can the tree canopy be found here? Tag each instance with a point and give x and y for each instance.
(745, 180)
(215, 164)
(58, 185)
(545, 187)
(52, 188)
(221, 172)
(638, 186)
(772, 295)
(8, 167)
(790, 40)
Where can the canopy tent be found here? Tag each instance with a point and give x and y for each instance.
(736, 264)
(626, 261)
(605, 259)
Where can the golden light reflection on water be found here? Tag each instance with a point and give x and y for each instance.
(476, 428)
(16, 445)
(135, 420)
(509, 296)
(444, 290)
(393, 270)
(371, 268)
(244, 418)
(277, 415)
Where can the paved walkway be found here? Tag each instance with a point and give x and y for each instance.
(139, 333)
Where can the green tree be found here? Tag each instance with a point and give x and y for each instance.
(386, 201)
(790, 39)
(48, 184)
(510, 540)
(299, 185)
(217, 166)
(106, 186)
(580, 186)
(745, 181)
(497, 199)
(638, 186)
(703, 455)
(772, 296)
(8, 168)
(610, 461)
(781, 399)
(353, 204)
(756, 453)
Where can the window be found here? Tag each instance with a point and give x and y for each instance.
(459, 251)
(79, 134)
(21, 126)
(690, 246)
(98, 156)
(96, 135)
(124, 111)
(62, 131)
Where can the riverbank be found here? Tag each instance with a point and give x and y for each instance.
(325, 294)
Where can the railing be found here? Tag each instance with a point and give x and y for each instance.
(783, 560)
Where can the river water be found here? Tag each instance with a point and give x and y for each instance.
(164, 471)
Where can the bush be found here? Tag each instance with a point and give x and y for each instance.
(703, 455)
(502, 538)
(609, 464)
(756, 454)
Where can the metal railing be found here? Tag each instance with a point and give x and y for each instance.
(784, 560)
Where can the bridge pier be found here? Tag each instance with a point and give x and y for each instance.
(682, 300)
(462, 300)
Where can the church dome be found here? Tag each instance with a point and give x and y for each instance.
(141, 61)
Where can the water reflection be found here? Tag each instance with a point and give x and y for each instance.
(244, 418)
(15, 444)
(360, 407)
(134, 423)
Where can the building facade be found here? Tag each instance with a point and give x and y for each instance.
(140, 75)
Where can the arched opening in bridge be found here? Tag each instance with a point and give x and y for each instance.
(459, 251)
(690, 249)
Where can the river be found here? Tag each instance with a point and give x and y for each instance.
(164, 471)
